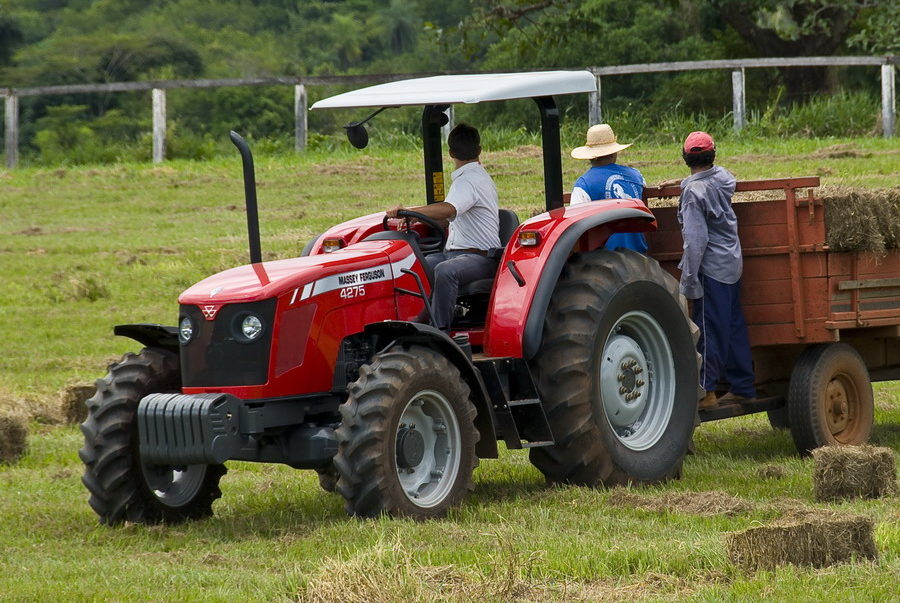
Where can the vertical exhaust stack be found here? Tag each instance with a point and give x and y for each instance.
(249, 196)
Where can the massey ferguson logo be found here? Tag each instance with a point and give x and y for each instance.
(209, 311)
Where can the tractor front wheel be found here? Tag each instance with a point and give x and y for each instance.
(617, 372)
(406, 443)
(122, 486)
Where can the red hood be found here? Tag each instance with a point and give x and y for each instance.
(264, 280)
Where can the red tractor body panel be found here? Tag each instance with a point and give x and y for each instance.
(511, 301)
(321, 300)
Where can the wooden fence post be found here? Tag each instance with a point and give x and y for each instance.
(12, 130)
(739, 99)
(300, 118)
(594, 115)
(159, 125)
(888, 100)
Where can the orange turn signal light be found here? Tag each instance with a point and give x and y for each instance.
(529, 238)
(329, 245)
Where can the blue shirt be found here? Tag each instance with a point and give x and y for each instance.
(709, 229)
(613, 181)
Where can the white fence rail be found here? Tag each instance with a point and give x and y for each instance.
(158, 92)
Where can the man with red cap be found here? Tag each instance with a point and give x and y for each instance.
(711, 269)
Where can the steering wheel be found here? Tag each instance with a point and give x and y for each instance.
(432, 243)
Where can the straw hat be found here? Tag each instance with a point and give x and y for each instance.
(601, 141)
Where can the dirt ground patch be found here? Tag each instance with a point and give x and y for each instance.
(690, 503)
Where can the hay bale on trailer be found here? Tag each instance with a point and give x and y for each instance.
(815, 541)
(846, 472)
(13, 436)
(858, 219)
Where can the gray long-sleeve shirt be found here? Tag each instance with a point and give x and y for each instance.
(709, 230)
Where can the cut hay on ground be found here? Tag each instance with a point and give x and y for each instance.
(690, 503)
(818, 541)
(771, 472)
(73, 407)
(847, 472)
(13, 436)
(861, 219)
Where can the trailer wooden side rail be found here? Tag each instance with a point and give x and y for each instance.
(801, 299)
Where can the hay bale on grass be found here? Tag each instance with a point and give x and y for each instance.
(859, 219)
(846, 472)
(74, 409)
(13, 436)
(811, 541)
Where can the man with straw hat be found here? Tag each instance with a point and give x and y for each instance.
(606, 179)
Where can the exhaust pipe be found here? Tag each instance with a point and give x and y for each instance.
(249, 196)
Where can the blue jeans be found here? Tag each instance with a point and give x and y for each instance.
(451, 270)
(723, 342)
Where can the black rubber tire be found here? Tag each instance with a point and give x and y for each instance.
(308, 247)
(366, 460)
(821, 373)
(328, 478)
(594, 291)
(778, 418)
(114, 474)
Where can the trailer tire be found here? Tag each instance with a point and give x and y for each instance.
(385, 464)
(830, 401)
(778, 418)
(608, 309)
(121, 487)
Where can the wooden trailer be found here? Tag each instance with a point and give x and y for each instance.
(823, 324)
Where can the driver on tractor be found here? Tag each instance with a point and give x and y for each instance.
(470, 211)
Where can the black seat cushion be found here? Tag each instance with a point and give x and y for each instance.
(509, 221)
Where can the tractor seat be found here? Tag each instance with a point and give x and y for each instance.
(509, 221)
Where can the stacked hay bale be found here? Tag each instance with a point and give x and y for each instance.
(861, 219)
(847, 472)
(74, 409)
(13, 436)
(812, 540)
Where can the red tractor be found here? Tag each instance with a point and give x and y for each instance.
(584, 356)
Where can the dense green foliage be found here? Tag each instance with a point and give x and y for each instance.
(52, 42)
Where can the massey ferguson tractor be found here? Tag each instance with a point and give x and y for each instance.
(585, 357)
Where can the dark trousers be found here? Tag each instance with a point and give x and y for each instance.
(453, 269)
(723, 342)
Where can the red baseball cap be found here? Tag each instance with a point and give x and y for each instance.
(699, 142)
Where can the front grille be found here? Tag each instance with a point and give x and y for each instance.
(216, 356)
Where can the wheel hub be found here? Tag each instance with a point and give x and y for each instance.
(410, 447)
(624, 395)
(837, 407)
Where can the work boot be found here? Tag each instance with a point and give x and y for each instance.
(732, 398)
(709, 401)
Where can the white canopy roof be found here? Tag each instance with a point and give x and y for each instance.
(469, 89)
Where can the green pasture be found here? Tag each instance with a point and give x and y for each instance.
(83, 249)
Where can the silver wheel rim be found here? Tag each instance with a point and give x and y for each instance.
(174, 487)
(429, 481)
(637, 380)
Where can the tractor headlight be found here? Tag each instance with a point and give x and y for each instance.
(185, 329)
(251, 327)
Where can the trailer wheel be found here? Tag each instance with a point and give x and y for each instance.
(122, 487)
(830, 401)
(778, 418)
(406, 443)
(617, 371)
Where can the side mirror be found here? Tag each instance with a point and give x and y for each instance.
(357, 135)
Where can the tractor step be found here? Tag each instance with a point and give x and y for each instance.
(519, 415)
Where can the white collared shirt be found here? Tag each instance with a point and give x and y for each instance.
(474, 196)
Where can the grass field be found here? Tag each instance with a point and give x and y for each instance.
(84, 249)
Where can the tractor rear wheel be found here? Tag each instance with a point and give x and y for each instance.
(830, 401)
(406, 443)
(617, 372)
(122, 487)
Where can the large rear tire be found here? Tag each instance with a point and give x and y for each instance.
(122, 487)
(830, 401)
(406, 444)
(618, 373)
